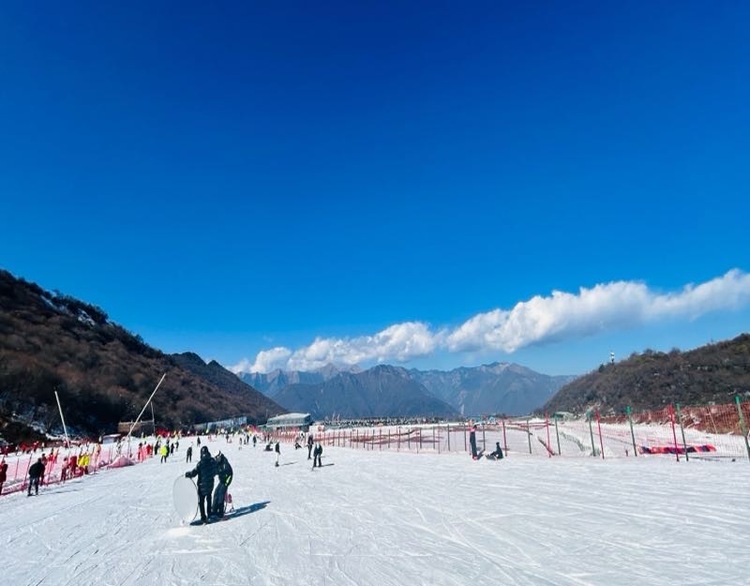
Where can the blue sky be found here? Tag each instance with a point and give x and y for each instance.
(431, 184)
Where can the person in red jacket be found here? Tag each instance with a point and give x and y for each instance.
(3, 474)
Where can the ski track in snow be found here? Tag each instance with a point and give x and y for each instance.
(390, 519)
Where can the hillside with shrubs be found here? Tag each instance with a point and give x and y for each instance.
(712, 374)
(102, 373)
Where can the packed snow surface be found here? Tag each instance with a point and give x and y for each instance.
(382, 517)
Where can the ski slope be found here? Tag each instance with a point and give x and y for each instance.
(371, 517)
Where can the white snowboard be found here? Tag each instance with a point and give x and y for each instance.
(185, 495)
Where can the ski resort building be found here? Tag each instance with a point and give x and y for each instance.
(301, 421)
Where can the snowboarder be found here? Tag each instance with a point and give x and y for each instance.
(224, 472)
(205, 471)
(189, 454)
(473, 442)
(277, 449)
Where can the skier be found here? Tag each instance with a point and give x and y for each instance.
(224, 472)
(205, 471)
(277, 449)
(189, 454)
(318, 454)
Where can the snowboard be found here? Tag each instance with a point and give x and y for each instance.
(185, 496)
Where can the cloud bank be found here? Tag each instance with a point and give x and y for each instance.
(560, 316)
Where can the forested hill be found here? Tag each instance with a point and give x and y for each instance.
(103, 373)
(714, 373)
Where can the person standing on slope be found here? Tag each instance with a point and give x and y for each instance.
(224, 472)
(310, 442)
(36, 472)
(473, 441)
(318, 455)
(277, 449)
(205, 471)
(3, 474)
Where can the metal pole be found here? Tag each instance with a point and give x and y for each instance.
(632, 433)
(557, 433)
(591, 432)
(528, 432)
(682, 430)
(65, 429)
(549, 441)
(144, 408)
(742, 425)
(670, 410)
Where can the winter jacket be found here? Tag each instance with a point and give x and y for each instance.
(36, 470)
(205, 471)
(224, 470)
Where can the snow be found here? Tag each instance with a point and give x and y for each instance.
(385, 517)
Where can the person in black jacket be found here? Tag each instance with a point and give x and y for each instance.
(36, 471)
(224, 472)
(473, 441)
(318, 454)
(205, 471)
(497, 454)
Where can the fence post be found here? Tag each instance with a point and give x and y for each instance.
(682, 431)
(528, 432)
(505, 439)
(591, 433)
(557, 433)
(742, 425)
(599, 427)
(628, 410)
(549, 441)
(449, 437)
(670, 410)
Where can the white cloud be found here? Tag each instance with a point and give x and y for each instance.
(603, 308)
(265, 361)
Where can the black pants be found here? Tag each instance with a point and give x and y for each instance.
(316, 461)
(219, 494)
(34, 483)
(204, 504)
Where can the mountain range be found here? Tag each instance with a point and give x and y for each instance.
(55, 345)
(499, 388)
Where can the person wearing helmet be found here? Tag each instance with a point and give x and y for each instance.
(224, 472)
(205, 470)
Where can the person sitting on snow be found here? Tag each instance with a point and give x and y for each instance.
(497, 454)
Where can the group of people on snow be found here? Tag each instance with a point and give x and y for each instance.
(207, 468)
